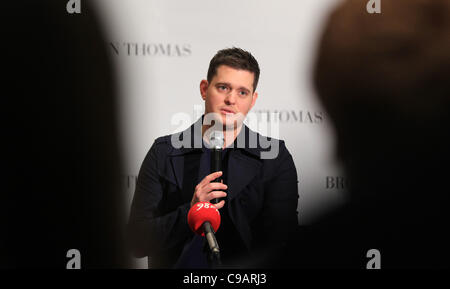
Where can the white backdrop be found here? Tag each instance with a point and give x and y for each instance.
(163, 47)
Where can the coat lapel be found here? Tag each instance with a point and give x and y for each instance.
(191, 137)
(177, 166)
(243, 163)
(242, 169)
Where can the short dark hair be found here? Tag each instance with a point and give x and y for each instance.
(236, 58)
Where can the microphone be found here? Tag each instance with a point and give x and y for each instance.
(216, 140)
(204, 220)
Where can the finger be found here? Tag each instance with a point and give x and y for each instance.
(214, 187)
(216, 195)
(220, 204)
(203, 192)
(207, 196)
(206, 180)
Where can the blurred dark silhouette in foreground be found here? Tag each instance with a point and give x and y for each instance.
(385, 81)
(61, 162)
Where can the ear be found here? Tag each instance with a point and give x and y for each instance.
(255, 96)
(203, 88)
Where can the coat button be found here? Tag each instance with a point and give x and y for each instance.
(243, 201)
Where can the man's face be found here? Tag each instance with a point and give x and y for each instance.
(230, 94)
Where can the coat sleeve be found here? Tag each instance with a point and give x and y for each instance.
(151, 233)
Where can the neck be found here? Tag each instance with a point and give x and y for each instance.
(228, 133)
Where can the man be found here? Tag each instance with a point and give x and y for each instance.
(258, 192)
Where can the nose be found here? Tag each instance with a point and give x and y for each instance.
(230, 98)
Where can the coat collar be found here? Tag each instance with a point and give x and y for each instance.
(243, 163)
(190, 140)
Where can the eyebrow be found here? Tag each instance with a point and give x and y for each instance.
(229, 85)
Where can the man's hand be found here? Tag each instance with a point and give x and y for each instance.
(205, 191)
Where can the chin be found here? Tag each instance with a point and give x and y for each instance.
(228, 119)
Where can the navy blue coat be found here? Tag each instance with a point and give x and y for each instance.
(262, 199)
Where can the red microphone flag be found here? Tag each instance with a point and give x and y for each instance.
(203, 212)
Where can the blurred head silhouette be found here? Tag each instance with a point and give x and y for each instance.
(384, 80)
(61, 151)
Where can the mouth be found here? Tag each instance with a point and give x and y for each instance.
(227, 111)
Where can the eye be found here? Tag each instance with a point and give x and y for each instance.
(222, 87)
(243, 93)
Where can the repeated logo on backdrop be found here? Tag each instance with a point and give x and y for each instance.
(150, 49)
(290, 116)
